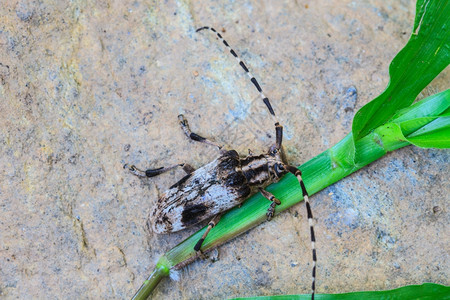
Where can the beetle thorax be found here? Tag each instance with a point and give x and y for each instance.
(263, 169)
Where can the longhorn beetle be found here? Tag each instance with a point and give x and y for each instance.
(223, 183)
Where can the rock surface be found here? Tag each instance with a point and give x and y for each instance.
(87, 86)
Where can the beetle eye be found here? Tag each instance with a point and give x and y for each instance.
(279, 169)
(273, 150)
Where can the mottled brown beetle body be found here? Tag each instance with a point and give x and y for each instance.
(212, 189)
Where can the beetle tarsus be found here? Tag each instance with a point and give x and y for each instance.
(201, 254)
(193, 136)
(133, 169)
(269, 196)
(271, 211)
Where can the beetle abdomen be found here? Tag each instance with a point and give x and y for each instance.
(208, 191)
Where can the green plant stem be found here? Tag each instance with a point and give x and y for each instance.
(318, 173)
(149, 285)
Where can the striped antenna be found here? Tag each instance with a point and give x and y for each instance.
(279, 137)
(298, 174)
(279, 131)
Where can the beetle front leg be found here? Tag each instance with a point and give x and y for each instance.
(275, 202)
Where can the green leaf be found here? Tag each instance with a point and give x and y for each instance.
(425, 55)
(435, 105)
(411, 292)
(435, 134)
(425, 124)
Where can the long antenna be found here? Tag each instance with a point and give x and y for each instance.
(242, 64)
(278, 127)
(279, 138)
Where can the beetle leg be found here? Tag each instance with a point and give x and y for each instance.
(275, 202)
(211, 225)
(278, 135)
(154, 172)
(188, 168)
(193, 136)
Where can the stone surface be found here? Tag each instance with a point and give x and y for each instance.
(86, 86)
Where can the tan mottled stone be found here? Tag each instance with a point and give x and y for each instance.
(86, 86)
